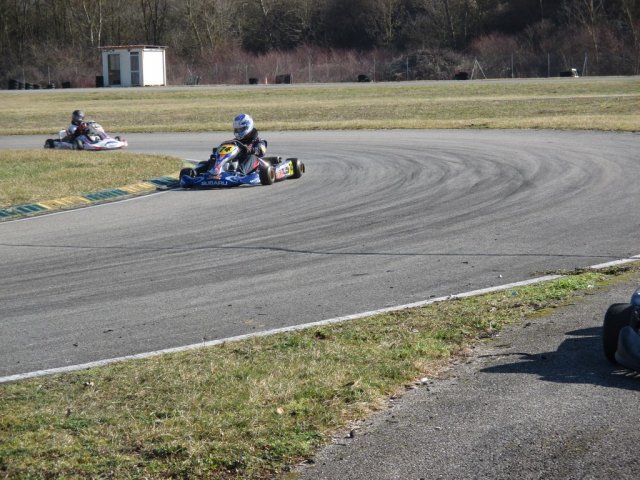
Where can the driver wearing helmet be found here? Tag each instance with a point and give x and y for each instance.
(78, 126)
(245, 133)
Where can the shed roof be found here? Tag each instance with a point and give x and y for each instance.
(129, 47)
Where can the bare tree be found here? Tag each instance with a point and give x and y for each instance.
(210, 21)
(154, 14)
(91, 11)
(633, 23)
(590, 15)
(387, 17)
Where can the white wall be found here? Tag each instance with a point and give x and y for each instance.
(153, 67)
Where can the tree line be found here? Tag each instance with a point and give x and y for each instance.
(50, 39)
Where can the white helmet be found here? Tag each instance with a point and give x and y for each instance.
(242, 125)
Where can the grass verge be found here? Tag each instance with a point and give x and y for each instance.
(30, 176)
(249, 409)
(593, 103)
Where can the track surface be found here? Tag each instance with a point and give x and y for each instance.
(379, 219)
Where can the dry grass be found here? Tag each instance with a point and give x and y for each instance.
(593, 103)
(29, 176)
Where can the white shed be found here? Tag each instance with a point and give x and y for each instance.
(134, 66)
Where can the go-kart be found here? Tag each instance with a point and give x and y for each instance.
(231, 165)
(93, 137)
(620, 333)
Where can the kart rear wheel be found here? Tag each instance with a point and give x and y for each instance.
(617, 317)
(298, 167)
(79, 145)
(267, 175)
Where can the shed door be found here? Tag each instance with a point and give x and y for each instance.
(114, 69)
(135, 68)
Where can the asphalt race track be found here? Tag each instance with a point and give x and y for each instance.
(381, 218)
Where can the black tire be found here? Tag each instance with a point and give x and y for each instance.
(78, 144)
(267, 175)
(617, 317)
(186, 172)
(49, 143)
(298, 167)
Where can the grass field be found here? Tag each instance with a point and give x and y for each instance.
(567, 103)
(252, 409)
(29, 176)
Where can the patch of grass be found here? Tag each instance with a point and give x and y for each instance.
(586, 103)
(248, 409)
(28, 176)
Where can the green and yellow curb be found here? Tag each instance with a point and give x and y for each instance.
(160, 183)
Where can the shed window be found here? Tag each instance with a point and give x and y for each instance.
(114, 69)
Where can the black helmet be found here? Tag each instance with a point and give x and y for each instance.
(77, 117)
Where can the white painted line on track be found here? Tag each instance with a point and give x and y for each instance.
(330, 321)
(615, 263)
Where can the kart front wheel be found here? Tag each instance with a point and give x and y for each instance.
(48, 143)
(298, 167)
(267, 175)
(187, 172)
(617, 317)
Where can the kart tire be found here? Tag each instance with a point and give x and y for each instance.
(298, 167)
(187, 172)
(267, 175)
(270, 160)
(200, 169)
(49, 143)
(78, 144)
(617, 317)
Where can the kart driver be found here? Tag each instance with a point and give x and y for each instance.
(246, 134)
(78, 127)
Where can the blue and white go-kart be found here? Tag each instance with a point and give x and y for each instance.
(230, 165)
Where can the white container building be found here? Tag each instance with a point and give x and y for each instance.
(134, 66)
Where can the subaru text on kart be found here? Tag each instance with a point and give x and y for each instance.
(93, 138)
(227, 168)
(620, 337)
